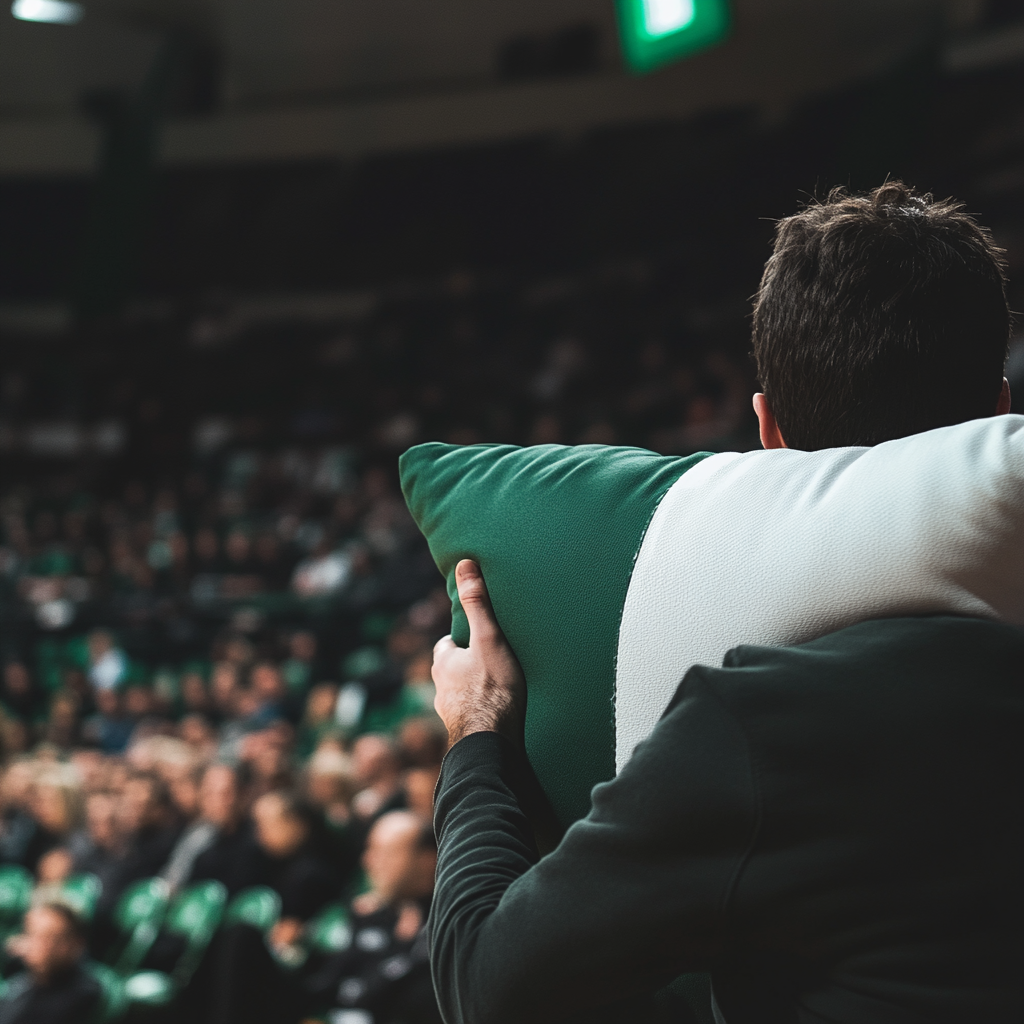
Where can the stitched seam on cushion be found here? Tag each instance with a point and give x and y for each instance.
(622, 607)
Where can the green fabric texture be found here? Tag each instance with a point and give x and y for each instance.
(556, 531)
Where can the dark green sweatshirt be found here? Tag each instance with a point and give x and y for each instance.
(834, 831)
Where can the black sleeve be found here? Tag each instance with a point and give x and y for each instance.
(634, 895)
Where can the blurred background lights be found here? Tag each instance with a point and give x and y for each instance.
(657, 32)
(56, 12)
(662, 17)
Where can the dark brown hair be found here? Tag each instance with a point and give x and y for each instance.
(880, 316)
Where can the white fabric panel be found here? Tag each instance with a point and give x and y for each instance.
(780, 547)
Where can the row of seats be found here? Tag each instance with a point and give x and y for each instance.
(145, 910)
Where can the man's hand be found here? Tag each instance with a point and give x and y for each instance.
(480, 688)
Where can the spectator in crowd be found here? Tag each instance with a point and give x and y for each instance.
(150, 827)
(318, 720)
(215, 799)
(184, 782)
(422, 741)
(286, 830)
(109, 728)
(385, 971)
(245, 982)
(61, 730)
(268, 689)
(19, 698)
(97, 848)
(377, 768)
(195, 698)
(229, 854)
(224, 689)
(107, 664)
(54, 988)
(330, 785)
(207, 550)
(55, 808)
(53, 869)
(196, 731)
(299, 669)
(19, 827)
(418, 786)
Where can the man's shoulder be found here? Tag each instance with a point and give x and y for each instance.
(943, 690)
(928, 684)
(935, 653)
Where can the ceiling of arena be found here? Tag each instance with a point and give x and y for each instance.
(293, 79)
(274, 51)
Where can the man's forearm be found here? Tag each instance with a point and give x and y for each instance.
(485, 844)
(634, 895)
(504, 934)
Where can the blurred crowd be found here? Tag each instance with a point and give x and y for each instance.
(216, 642)
(349, 829)
(238, 693)
(264, 776)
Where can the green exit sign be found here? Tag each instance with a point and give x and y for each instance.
(655, 32)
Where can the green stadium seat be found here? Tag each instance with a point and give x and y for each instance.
(330, 931)
(138, 916)
(15, 893)
(15, 897)
(194, 916)
(81, 892)
(113, 999)
(150, 988)
(258, 907)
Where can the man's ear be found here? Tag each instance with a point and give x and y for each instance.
(771, 436)
(1004, 402)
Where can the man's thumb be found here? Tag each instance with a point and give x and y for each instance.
(475, 601)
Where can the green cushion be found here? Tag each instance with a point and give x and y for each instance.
(614, 570)
(556, 531)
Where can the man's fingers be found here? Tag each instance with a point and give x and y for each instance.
(476, 602)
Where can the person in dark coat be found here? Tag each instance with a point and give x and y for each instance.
(148, 819)
(54, 988)
(220, 845)
(384, 972)
(244, 981)
(96, 848)
(833, 831)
